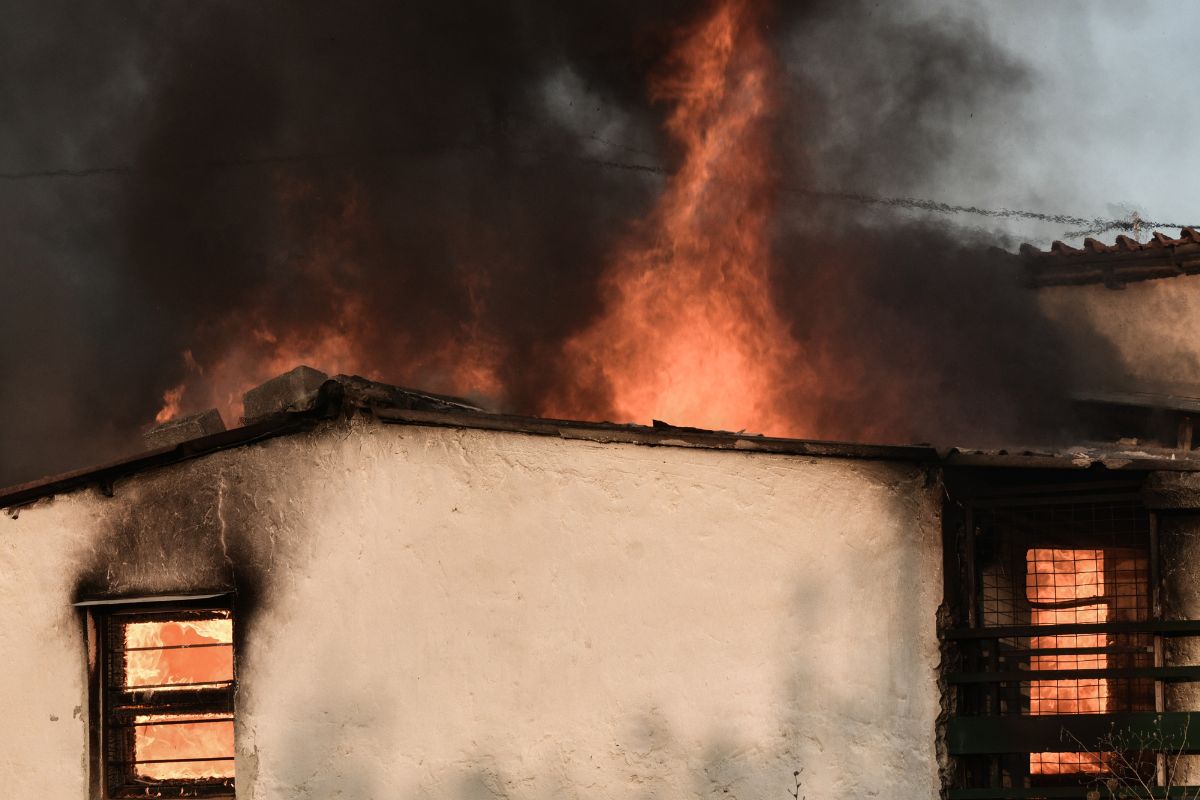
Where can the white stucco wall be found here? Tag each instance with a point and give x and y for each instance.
(444, 613)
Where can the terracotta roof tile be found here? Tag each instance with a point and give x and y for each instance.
(1124, 261)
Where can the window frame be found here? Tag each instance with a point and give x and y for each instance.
(109, 777)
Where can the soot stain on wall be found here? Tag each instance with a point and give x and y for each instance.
(190, 528)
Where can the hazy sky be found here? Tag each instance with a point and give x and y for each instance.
(1106, 124)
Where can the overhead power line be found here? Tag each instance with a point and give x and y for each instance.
(207, 164)
(1084, 226)
(1090, 226)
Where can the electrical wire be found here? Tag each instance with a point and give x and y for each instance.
(1092, 225)
(1085, 226)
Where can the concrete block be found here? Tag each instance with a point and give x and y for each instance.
(292, 391)
(183, 429)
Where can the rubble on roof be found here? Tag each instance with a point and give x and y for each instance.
(181, 429)
(1117, 455)
(1126, 260)
(294, 390)
(304, 389)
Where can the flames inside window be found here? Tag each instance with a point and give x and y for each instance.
(169, 702)
(1079, 586)
(1048, 566)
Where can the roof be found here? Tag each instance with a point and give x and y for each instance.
(1124, 261)
(346, 396)
(1181, 400)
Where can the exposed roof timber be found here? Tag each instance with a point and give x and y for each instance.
(1125, 261)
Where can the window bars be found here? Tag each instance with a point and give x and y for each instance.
(1057, 646)
(164, 696)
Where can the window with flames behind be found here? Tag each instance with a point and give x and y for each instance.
(166, 691)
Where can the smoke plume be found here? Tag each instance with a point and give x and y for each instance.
(437, 194)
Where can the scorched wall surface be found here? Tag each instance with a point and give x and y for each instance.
(446, 613)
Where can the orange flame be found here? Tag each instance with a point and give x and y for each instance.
(689, 333)
(171, 400)
(165, 737)
(1058, 576)
(185, 663)
(344, 340)
(175, 653)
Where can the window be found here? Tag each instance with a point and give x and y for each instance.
(1055, 649)
(1072, 586)
(162, 672)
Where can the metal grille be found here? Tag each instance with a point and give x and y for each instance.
(1065, 586)
(1052, 565)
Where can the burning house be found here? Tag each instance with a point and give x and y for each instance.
(575, 213)
(367, 591)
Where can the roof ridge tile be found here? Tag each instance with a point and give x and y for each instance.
(1063, 249)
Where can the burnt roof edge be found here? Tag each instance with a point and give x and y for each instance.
(332, 402)
(106, 474)
(326, 405)
(658, 435)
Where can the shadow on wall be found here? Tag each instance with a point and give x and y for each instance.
(859, 711)
(322, 757)
(856, 728)
(648, 763)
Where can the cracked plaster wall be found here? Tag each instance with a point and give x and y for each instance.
(441, 613)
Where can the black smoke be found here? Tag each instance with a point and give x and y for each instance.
(489, 152)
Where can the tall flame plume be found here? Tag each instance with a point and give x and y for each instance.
(689, 333)
(688, 330)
